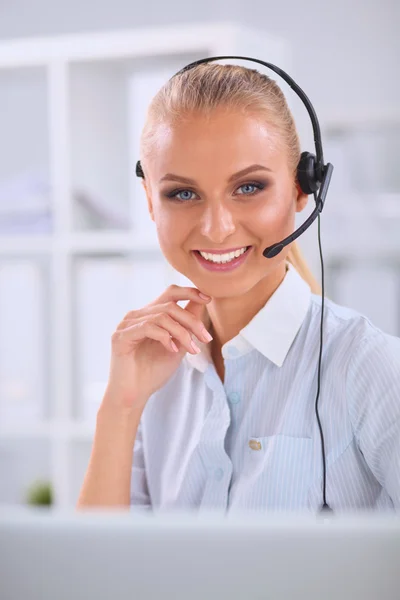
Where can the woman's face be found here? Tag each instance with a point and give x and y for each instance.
(220, 209)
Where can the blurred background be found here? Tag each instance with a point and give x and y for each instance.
(77, 248)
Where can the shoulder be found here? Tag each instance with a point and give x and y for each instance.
(365, 358)
(369, 364)
(347, 328)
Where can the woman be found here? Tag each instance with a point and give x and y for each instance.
(227, 421)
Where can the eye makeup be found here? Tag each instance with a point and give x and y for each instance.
(172, 195)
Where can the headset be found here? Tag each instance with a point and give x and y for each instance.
(314, 178)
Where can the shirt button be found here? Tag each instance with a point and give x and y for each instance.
(234, 398)
(218, 474)
(255, 444)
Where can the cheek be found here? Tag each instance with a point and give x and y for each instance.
(170, 230)
(163, 219)
(274, 218)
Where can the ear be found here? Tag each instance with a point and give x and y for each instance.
(148, 196)
(300, 197)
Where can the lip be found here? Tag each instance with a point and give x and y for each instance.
(211, 251)
(230, 266)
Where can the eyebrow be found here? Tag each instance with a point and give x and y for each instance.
(250, 169)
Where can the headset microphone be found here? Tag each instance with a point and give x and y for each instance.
(273, 250)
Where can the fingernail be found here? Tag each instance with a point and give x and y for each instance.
(207, 336)
(195, 348)
(204, 296)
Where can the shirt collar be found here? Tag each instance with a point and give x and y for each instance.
(272, 330)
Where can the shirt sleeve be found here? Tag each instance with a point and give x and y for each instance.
(140, 497)
(373, 391)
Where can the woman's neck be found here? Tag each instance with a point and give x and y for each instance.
(226, 317)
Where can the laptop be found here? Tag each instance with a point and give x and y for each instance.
(191, 556)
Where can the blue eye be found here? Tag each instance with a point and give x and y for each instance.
(174, 195)
(258, 186)
(183, 195)
(184, 192)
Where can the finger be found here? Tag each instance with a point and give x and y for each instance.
(174, 294)
(142, 331)
(163, 321)
(177, 293)
(199, 312)
(189, 320)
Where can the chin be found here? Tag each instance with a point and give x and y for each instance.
(225, 289)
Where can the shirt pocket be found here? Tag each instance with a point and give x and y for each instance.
(278, 470)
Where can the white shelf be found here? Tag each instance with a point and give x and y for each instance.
(50, 430)
(77, 243)
(111, 242)
(141, 43)
(86, 132)
(20, 245)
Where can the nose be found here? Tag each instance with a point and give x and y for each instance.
(217, 222)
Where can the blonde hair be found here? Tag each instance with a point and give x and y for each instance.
(209, 86)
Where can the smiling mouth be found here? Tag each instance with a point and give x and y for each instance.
(223, 262)
(219, 258)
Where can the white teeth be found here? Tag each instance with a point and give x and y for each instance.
(223, 258)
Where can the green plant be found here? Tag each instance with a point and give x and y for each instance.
(40, 493)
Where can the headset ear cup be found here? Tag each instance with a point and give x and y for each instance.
(139, 170)
(306, 174)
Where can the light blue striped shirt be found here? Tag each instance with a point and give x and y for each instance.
(252, 442)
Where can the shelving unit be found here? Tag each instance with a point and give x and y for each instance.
(362, 215)
(72, 112)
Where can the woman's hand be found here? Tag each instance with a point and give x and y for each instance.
(149, 344)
